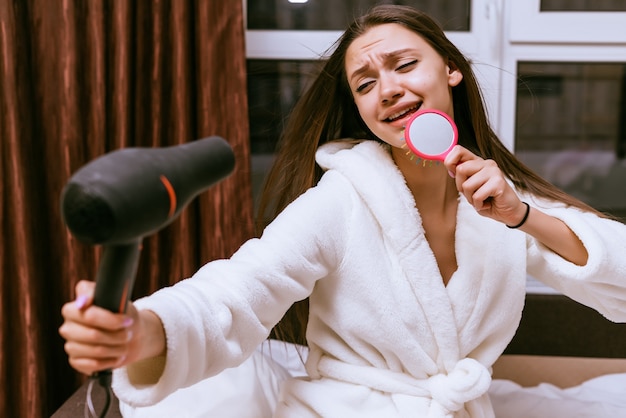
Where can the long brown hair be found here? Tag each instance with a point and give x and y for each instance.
(326, 112)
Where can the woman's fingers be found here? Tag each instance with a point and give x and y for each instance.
(95, 317)
(457, 156)
(87, 333)
(83, 311)
(96, 338)
(84, 293)
(477, 179)
(98, 352)
(91, 348)
(90, 365)
(483, 184)
(480, 181)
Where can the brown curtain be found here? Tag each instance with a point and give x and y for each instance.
(79, 79)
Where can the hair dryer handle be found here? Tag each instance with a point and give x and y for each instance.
(116, 276)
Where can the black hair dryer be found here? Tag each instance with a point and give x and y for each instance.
(121, 197)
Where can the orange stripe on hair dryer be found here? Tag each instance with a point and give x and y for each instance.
(121, 197)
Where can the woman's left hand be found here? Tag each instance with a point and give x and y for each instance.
(484, 186)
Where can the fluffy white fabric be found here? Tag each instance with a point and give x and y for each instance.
(386, 335)
(252, 389)
(247, 391)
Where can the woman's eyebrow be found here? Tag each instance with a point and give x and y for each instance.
(387, 56)
(399, 52)
(361, 70)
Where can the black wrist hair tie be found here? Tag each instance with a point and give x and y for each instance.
(523, 221)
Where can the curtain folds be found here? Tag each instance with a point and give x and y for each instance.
(77, 80)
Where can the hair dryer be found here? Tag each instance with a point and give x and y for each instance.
(125, 195)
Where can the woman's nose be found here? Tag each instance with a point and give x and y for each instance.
(390, 89)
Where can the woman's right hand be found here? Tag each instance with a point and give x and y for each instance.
(98, 339)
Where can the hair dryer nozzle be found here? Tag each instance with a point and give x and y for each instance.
(130, 193)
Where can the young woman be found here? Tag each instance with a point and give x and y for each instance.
(414, 273)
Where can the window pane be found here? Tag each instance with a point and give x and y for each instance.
(454, 15)
(583, 6)
(273, 88)
(571, 129)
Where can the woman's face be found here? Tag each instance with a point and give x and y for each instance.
(392, 72)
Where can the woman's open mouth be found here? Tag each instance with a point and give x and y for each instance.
(404, 113)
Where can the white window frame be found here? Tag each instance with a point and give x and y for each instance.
(531, 25)
(549, 54)
(544, 40)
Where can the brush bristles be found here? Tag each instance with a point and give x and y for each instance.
(412, 157)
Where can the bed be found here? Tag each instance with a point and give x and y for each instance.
(565, 360)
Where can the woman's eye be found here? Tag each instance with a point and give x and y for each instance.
(406, 65)
(362, 87)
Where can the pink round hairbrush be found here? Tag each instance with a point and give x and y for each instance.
(431, 134)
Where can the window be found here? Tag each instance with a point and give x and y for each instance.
(314, 14)
(563, 97)
(571, 128)
(568, 21)
(583, 6)
(273, 88)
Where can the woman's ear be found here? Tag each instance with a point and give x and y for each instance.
(454, 74)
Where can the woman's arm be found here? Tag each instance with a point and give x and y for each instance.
(485, 187)
(554, 234)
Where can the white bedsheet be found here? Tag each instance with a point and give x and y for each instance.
(251, 391)
(601, 397)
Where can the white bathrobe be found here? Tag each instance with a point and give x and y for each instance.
(386, 337)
